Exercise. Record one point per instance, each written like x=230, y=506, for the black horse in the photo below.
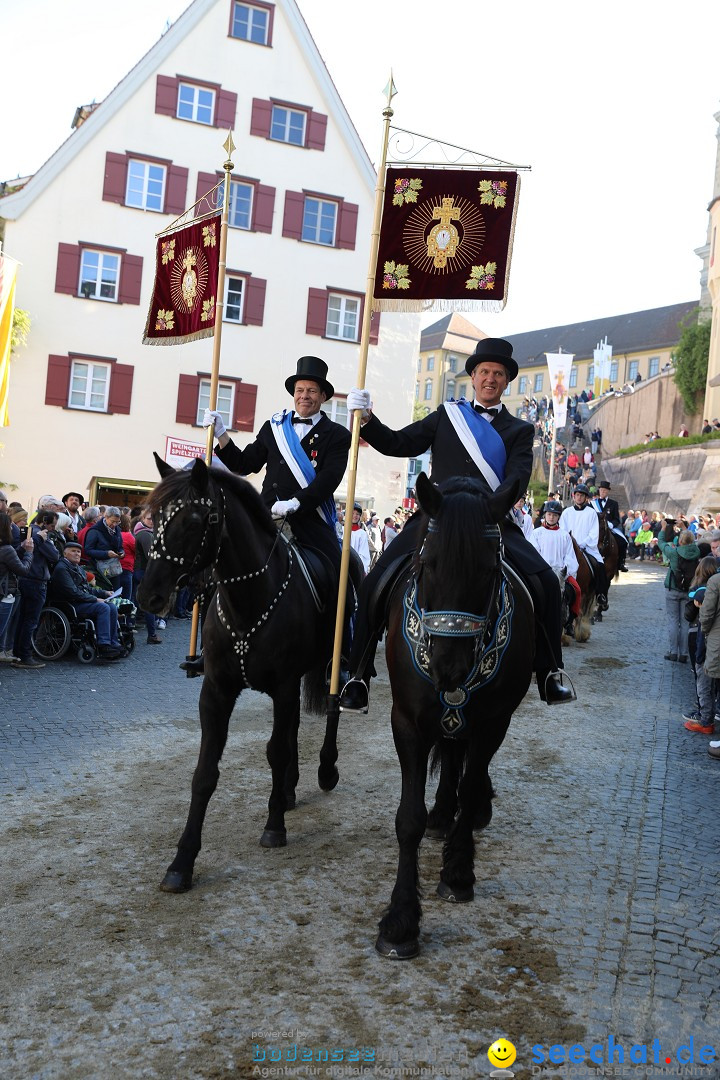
x=265, y=629
x=460, y=651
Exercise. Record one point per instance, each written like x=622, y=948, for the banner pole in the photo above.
x=228, y=166
x=357, y=415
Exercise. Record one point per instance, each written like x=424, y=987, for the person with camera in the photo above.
x=683, y=555
x=13, y=565
x=33, y=589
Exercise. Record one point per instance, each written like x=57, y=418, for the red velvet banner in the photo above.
x=186, y=278
x=445, y=239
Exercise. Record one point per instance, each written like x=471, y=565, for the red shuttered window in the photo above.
x=95, y=272
x=89, y=383
x=252, y=204
x=287, y=122
x=320, y=219
x=236, y=401
x=145, y=183
x=337, y=314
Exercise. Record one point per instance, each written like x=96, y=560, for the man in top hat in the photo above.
x=609, y=507
x=481, y=440
x=72, y=502
x=305, y=455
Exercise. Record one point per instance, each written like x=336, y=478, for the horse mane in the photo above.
x=179, y=485
x=462, y=514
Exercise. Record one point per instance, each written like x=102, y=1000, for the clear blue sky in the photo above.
x=611, y=105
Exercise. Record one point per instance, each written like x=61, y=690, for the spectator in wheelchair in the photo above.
x=69, y=583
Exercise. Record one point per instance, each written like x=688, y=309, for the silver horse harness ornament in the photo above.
x=491, y=640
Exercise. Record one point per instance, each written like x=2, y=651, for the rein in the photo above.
x=492, y=636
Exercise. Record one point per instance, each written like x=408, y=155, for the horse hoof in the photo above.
x=273, y=838
x=176, y=882
x=437, y=832
x=328, y=780
x=408, y=950
x=455, y=895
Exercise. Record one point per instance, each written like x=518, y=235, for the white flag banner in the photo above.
x=602, y=358
x=559, y=365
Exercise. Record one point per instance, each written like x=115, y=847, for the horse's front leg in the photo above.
x=216, y=706
x=281, y=750
x=400, y=925
x=457, y=876
x=441, y=817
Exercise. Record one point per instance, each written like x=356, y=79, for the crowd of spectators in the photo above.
x=93, y=557
x=369, y=537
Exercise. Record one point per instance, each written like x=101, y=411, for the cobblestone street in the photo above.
x=594, y=918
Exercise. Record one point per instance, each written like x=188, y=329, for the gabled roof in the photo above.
x=451, y=332
x=12, y=206
x=655, y=328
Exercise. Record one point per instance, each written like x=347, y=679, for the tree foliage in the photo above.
x=420, y=411
x=691, y=364
x=20, y=329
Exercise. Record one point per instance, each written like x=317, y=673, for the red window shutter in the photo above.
x=225, y=109
x=176, y=193
x=347, y=226
x=245, y=397
x=316, y=131
x=264, y=208
x=57, y=385
x=374, y=327
x=261, y=118
x=121, y=380
x=255, y=301
x=166, y=96
x=293, y=217
x=187, y=399
x=116, y=166
x=206, y=181
x=67, y=274
x=317, y=312
x=130, y=279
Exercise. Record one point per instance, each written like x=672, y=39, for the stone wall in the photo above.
x=655, y=405
x=685, y=480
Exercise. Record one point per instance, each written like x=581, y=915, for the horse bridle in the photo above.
x=462, y=623
x=215, y=518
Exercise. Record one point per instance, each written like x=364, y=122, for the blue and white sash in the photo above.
x=298, y=462
x=480, y=439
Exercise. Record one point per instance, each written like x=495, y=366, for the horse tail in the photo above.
x=314, y=690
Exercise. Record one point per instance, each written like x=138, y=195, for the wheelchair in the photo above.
x=61, y=628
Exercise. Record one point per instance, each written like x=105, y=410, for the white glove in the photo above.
x=212, y=416
x=359, y=399
x=282, y=509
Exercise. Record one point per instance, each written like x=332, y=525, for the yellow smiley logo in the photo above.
x=502, y=1054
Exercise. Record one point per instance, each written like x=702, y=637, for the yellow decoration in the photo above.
x=207, y=309
x=165, y=320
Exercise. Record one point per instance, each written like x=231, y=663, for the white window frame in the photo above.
x=89, y=376
x=428, y=390
x=522, y=384
x=507, y=391
x=231, y=282
x=463, y=390
x=105, y=262
x=613, y=371
x=143, y=198
x=235, y=186
x=590, y=375
x=538, y=383
x=348, y=321
x=653, y=366
x=452, y=364
x=192, y=108
x=633, y=370
x=431, y=363
x=255, y=25
x=225, y=401
x=336, y=410
x=286, y=129
x=573, y=375
x=449, y=389
x=312, y=234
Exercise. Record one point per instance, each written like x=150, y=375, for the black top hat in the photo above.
x=311, y=367
x=603, y=483
x=496, y=349
x=75, y=493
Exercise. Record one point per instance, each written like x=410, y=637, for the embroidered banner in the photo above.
x=602, y=360
x=445, y=240
x=186, y=277
x=559, y=366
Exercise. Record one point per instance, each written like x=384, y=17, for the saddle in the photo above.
x=380, y=597
x=320, y=574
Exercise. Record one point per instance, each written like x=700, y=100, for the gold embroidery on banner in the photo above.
x=482, y=277
x=189, y=278
x=443, y=235
x=209, y=239
x=443, y=239
x=207, y=310
x=167, y=250
x=165, y=320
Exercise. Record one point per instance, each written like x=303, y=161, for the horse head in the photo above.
x=458, y=572
x=187, y=508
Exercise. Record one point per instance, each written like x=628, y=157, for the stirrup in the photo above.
x=561, y=675
x=362, y=696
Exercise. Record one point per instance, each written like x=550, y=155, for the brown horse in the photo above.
x=580, y=626
x=608, y=548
